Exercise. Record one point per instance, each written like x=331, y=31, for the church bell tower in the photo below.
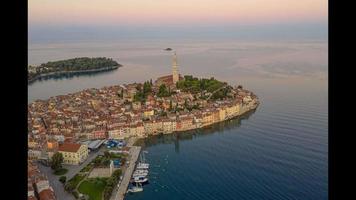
x=175, y=74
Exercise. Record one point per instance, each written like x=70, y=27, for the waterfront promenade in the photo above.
x=119, y=194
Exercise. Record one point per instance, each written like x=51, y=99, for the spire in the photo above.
x=175, y=75
x=175, y=59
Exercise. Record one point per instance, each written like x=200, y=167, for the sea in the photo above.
x=278, y=151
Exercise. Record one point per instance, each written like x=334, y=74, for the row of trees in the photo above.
x=111, y=183
x=194, y=85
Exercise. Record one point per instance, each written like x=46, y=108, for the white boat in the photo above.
x=140, y=179
x=142, y=165
x=139, y=175
x=135, y=188
x=141, y=171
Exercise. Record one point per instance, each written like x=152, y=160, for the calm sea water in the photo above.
x=278, y=151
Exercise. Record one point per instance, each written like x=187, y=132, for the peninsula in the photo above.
x=73, y=124
x=71, y=66
x=172, y=103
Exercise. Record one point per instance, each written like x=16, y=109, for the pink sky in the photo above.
x=175, y=12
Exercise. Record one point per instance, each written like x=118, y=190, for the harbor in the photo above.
x=119, y=194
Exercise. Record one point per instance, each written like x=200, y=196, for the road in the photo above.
x=57, y=186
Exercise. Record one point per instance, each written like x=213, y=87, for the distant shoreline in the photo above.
x=60, y=73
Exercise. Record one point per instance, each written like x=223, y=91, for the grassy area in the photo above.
x=61, y=171
x=75, y=180
x=93, y=188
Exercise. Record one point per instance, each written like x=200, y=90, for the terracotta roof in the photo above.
x=31, y=198
x=47, y=194
x=69, y=147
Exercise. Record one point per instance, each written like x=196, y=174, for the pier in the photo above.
x=119, y=194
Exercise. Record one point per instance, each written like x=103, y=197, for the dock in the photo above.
x=121, y=191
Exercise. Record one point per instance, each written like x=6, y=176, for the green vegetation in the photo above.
x=163, y=91
x=87, y=168
x=56, y=161
x=104, y=161
x=93, y=187
x=63, y=179
x=73, y=182
x=74, y=64
x=75, y=194
x=143, y=92
x=195, y=85
x=111, y=183
x=60, y=171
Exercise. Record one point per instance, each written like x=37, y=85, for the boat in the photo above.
x=141, y=171
x=139, y=175
x=137, y=188
x=140, y=179
x=141, y=165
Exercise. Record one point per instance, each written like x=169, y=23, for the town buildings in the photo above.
x=60, y=123
x=38, y=187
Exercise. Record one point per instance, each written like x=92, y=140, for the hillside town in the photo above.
x=172, y=103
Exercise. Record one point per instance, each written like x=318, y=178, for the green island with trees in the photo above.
x=200, y=88
x=193, y=85
x=74, y=65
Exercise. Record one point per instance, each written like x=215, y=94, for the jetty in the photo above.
x=134, y=154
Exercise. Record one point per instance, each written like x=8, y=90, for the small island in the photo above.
x=71, y=66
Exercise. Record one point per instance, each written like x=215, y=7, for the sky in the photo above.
x=176, y=18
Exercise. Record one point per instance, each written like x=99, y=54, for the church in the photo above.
x=170, y=80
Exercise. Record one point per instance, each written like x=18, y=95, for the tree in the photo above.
x=185, y=103
x=170, y=105
x=69, y=186
x=146, y=88
x=56, y=161
x=117, y=173
x=62, y=179
x=162, y=92
x=107, y=154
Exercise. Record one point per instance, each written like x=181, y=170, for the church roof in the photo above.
x=168, y=80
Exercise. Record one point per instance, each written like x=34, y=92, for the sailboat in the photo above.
x=142, y=164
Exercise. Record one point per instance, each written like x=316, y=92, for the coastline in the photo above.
x=59, y=73
x=244, y=109
x=137, y=144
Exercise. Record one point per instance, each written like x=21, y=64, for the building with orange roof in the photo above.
x=73, y=153
x=47, y=194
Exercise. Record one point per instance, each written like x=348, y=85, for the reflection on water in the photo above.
x=279, y=153
x=174, y=138
x=69, y=76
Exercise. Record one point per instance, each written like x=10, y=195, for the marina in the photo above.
x=120, y=194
